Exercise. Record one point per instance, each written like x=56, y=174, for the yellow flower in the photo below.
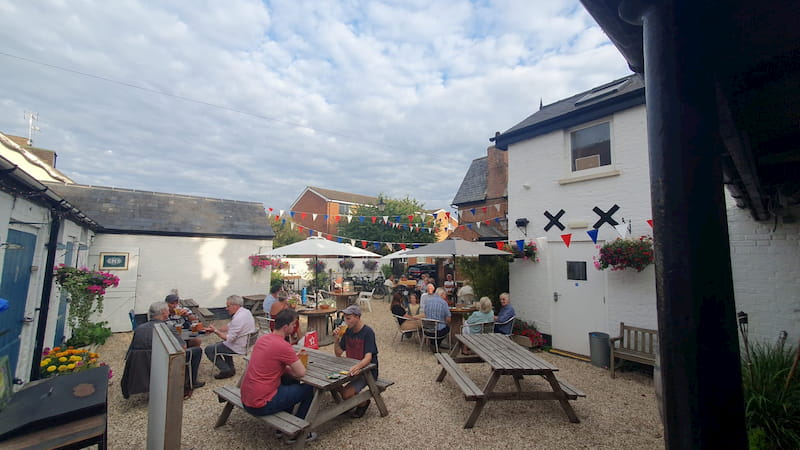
x=62, y=359
x=44, y=362
x=75, y=358
x=71, y=366
x=62, y=368
x=51, y=369
x=93, y=360
x=93, y=355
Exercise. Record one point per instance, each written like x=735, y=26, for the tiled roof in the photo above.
x=144, y=212
x=47, y=156
x=345, y=197
x=473, y=186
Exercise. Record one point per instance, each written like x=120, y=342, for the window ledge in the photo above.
x=594, y=176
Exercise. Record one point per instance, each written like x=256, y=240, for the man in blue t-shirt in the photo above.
x=503, y=318
x=358, y=342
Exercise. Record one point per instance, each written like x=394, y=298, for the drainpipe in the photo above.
x=47, y=289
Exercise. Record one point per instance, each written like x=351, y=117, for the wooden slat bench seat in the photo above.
x=464, y=382
x=572, y=392
x=283, y=421
x=633, y=344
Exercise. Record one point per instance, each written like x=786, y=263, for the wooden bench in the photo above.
x=572, y=392
x=287, y=423
x=634, y=344
x=470, y=389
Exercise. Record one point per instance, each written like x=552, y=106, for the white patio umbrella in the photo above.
x=317, y=246
x=400, y=254
x=453, y=247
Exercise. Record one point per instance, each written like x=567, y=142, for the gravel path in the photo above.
x=619, y=413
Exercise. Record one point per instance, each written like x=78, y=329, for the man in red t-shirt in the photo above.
x=271, y=382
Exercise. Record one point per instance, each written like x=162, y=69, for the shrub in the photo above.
x=488, y=276
x=772, y=404
x=88, y=334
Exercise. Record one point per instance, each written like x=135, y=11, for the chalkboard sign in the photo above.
x=113, y=261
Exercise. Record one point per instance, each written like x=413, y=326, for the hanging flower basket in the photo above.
x=622, y=254
x=86, y=289
x=370, y=264
x=318, y=267
x=347, y=264
x=260, y=262
x=528, y=252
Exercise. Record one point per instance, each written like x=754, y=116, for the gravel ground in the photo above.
x=619, y=413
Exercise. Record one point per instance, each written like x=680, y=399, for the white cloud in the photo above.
x=367, y=97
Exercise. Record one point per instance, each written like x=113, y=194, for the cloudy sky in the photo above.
x=254, y=100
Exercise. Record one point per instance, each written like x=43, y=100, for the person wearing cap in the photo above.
x=181, y=316
x=270, y=383
x=234, y=337
x=358, y=342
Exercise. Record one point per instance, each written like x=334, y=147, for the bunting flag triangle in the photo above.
x=622, y=230
x=483, y=209
x=326, y=218
x=402, y=246
x=397, y=218
x=567, y=238
x=435, y=216
x=280, y=213
x=472, y=210
x=339, y=240
x=300, y=228
x=478, y=224
x=410, y=218
x=496, y=220
x=349, y=218
x=521, y=244
x=447, y=214
x=373, y=219
x=385, y=219
x=650, y=222
x=330, y=237
x=314, y=216
x=497, y=207
x=337, y=218
x=416, y=245
x=363, y=244
x=303, y=216
x=500, y=245
x=377, y=245
x=283, y=221
x=361, y=219
x=353, y=242
x=277, y=218
x=389, y=244
x=291, y=213
x=469, y=225
x=291, y=224
x=593, y=234
x=488, y=222
x=310, y=233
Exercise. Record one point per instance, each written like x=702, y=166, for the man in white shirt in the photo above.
x=234, y=336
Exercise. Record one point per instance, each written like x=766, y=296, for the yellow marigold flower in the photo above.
x=62, y=368
x=75, y=358
x=71, y=366
x=62, y=359
x=44, y=362
x=51, y=369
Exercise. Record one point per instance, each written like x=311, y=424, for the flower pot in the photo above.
x=522, y=340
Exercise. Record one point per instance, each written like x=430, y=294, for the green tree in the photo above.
x=381, y=232
x=488, y=276
x=284, y=234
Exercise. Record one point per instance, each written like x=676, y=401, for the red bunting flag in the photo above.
x=650, y=222
x=410, y=218
x=499, y=244
x=299, y=228
x=446, y=214
x=330, y=237
x=270, y=209
x=567, y=238
x=373, y=219
x=337, y=218
x=277, y=218
x=402, y=246
x=363, y=244
x=484, y=209
x=303, y=215
x=487, y=222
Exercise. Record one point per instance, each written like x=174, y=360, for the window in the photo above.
x=576, y=270
x=344, y=209
x=591, y=147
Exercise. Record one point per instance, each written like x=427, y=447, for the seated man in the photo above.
x=429, y=294
x=182, y=316
x=274, y=291
x=436, y=308
x=135, y=380
x=506, y=313
x=358, y=342
x=234, y=337
x=270, y=383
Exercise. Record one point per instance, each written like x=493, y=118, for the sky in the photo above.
x=255, y=100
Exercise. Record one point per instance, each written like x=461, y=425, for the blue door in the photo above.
x=62, y=303
x=14, y=288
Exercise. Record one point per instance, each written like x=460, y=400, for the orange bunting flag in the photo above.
x=567, y=238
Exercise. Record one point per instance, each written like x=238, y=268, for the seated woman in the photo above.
x=484, y=314
x=408, y=321
x=294, y=332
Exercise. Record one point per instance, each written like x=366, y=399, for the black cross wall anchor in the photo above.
x=554, y=220
x=605, y=217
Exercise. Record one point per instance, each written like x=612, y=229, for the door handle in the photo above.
x=555, y=296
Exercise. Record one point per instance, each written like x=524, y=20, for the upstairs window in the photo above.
x=591, y=147
x=344, y=209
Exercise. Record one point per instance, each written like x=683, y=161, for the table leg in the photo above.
x=313, y=409
x=562, y=397
x=376, y=394
x=517, y=379
x=480, y=403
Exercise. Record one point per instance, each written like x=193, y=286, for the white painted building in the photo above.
x=590, y=151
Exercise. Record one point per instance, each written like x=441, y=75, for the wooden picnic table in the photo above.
x=320, y=365
x=457, y=317
x=342, y=298
x=255, y=303
x=505, y=357
x=317, y=319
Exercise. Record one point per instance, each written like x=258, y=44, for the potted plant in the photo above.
x=528, y=251
x=261, y=262
x=526, y=335
x=347, y=265
x=66, y=361
x=86, y=289
x=622, y=254
x=370, y=265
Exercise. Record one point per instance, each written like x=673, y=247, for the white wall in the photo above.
x=544, y=161
x=765, y=259
x=205, y=269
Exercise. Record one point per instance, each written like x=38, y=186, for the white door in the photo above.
x=579, y=304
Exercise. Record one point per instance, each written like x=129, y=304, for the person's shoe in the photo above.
x=187, y=394
x=198, y=384
x=309, y=437
x=360, y=411
x=278, y=434
x=225, y=374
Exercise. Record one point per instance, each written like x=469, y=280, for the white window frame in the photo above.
x=595, y=172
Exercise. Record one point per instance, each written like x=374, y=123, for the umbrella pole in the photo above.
x=316, y=279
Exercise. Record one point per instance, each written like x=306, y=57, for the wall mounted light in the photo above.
x=522, y=224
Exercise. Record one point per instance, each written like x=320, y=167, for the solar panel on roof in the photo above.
x=602, y=92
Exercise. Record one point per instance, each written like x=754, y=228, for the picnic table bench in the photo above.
x=288, y=424
x=505, y=358
x=633, y=344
